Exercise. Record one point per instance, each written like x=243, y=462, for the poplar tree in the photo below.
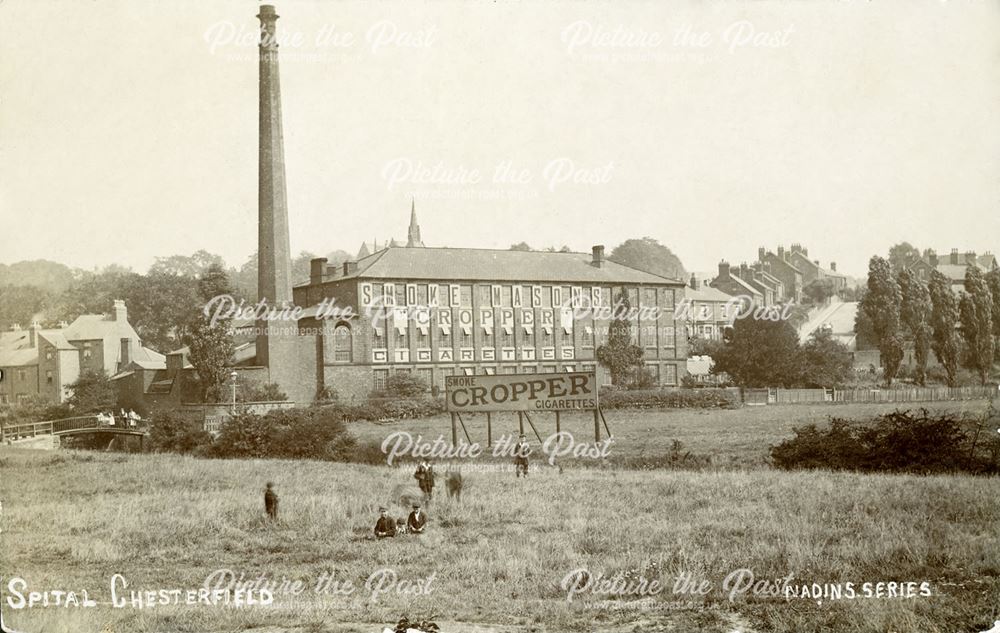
x=915, y=313
x=619, y=355
x=881, y=304
x=944, y=316
x=993, y=282
x=976, y=314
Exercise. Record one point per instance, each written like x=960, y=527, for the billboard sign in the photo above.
x=570, y=391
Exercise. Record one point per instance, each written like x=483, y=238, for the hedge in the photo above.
x=670, y=399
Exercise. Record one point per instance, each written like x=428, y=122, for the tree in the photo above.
x=619, y=355
x=944, y=315
x=520, y=246
x=902, y=255
x=993, y=282
x=211, y=352
x=649, y=255
x=864, y=335
x=819, y=290
x=975, y=313
x=214, y=282
x=881, y=305
x=825, y=361
x=760, y=353
x=187, y=266
x=915, y=313
x=92, y=392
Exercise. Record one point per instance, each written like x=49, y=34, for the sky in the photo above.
x=128, y=129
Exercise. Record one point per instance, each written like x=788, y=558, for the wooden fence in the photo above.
x=895, y=394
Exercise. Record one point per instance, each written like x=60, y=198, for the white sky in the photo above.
x=129, y=129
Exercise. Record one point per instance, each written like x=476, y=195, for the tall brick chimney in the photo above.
x=121, y=312
x=274, y=269
x=274, y=275
x=724, y=269
x=953, y=258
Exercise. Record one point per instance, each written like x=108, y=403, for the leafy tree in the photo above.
x=993, y=282
x=944, y=315
x=185, y=266
x=649, y=255
x=211, y=353
x=760, y=353
x=881, y=305
x=819, y=290
x=975, y=313
x=619, y=355
x=863, y=332
x=213, y=283
x=402, y=385
x=268, y=392
x=520, y=246
x=825, y=361
x=20, y=304
x=92, y=392
x=915, y=313
x=902, y=255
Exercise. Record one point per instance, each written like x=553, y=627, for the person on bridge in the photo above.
x=271, y=502
x=385, y=527
x=133, y=417
x=416, y=521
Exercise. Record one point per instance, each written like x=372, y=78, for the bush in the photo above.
x=670, y=399
x=404, y=385
x=378, y=409
x=898, y=442
x=284, y=433
x=170, y=433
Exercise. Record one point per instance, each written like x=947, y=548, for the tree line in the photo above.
x=898, y=310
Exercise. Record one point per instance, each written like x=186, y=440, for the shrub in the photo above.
x=284, y=433
x=898, y=442
x=170, y=433
x=670, y=399
x=404, y=385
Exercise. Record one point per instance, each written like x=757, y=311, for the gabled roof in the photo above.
x=471, y=264
x=97, y=326
x=742, y=284
x=16, y=349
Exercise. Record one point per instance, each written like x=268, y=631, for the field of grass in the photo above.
x=71, y=519
x=731, y=438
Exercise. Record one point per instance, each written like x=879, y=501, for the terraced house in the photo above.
x=439, y=312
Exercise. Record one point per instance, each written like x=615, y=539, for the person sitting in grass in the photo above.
x=385, y=526
x=417, y=520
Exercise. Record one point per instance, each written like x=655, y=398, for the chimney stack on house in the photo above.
x=932, y=258
x=724, y=269
x=781, y=253
x=350, y=268
x=597, y=259
x=694, y=282
x=317, y=270
x=761, y=254
x=970, y=258
x=33, y=333
x=833, y=266
x=953, y=260
x=121, y=312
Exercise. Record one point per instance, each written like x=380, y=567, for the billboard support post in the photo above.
x=489, y=429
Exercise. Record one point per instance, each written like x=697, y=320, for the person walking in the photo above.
x=425, y=479
x=521, y=456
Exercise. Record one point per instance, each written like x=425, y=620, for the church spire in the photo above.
x=413, y=234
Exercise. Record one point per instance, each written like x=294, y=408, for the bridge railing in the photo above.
x=48, y=427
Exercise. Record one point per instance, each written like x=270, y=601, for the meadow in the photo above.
x=497, y=560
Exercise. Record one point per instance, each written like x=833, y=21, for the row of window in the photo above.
x=667, y=377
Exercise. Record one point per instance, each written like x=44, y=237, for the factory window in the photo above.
x=465, y=337
x=485, y=296
x=422, y=294
x=587, y=338
x=342, y=344
x=510, y=369
x=401, y=339
x=668, y=299
x=427, y=376
x=648, y=297
x=400, y=290
x=670, y=375
x=506, y=336
x=654, y=371
x=548, y=369
x=380, y=377
x=530, y=369
x=378, y=338
x=423, y=338
x=466, y=296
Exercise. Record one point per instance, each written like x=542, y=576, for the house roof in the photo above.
x=744, y=285
x=16, y=349
x=472, y=264
x=95, y=326
x=707, y=293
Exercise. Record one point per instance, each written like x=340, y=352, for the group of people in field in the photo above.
x=387, y=526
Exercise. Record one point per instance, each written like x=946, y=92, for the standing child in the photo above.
x=271, y=502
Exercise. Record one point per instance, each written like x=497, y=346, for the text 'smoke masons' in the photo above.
x=571, y=391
